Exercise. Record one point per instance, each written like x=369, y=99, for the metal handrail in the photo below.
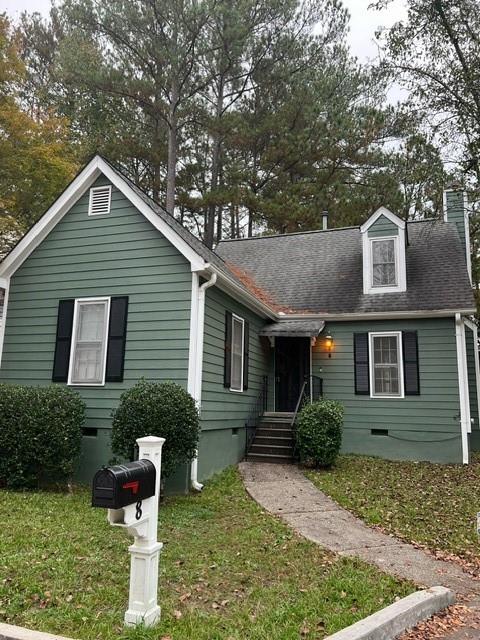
x=258, y=409
x=299, y=402
x=312, y=394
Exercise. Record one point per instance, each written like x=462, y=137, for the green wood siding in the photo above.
x=383, y=227
x=115, y=254
x=225, y=412
x=472, y=389
x=420, y=427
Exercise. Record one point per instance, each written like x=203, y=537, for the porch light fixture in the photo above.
x=329, y=345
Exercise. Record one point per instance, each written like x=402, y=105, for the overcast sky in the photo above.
x=363, y=22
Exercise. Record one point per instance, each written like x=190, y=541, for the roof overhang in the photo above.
x=293, y=329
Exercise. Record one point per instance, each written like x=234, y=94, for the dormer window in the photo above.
x=383, y=243
x=384, y=262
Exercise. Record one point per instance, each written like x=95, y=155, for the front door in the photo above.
x=292, y=364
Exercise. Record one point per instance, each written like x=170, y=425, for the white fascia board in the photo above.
x=3, y=283
x=72, y=193
x=382, y=211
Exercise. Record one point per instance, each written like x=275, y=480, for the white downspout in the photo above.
x=462, y=386
x=197, y=383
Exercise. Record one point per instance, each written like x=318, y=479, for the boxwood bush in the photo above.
x=319, y=433
x=40, y=434
x=162, y=409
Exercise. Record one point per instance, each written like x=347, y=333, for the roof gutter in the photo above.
x=377, y=315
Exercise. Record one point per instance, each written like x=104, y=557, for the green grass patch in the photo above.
x=430, y=504
x=228, y=570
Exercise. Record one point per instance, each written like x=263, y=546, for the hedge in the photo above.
x=319, y=433
x=162, y=409
x=40, y=434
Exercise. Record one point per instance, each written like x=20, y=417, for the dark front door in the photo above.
x=292, y=364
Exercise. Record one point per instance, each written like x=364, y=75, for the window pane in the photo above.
x=89, y=347
x=91, y=318
x=386, y=369
x=87, y=365
x=383, y=263
x=237, y=355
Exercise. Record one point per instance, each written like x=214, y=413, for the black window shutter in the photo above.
x=360, y=353
x=117, y=335
x=246, y=345
x=410, y=363
x=63, y=341
x=227, y=367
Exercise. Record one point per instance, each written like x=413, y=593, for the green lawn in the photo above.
x=228, y=571
x=431, y=504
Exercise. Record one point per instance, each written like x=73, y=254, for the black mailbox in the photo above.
x=124, y=484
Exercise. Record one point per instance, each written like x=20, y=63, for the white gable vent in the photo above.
x=100, y=198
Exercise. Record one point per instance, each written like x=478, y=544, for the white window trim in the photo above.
x=242, y=321
x=381, y=334
x=78, y=302
x=400, y=267
x=90, y=199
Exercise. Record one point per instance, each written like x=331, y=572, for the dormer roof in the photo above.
x=382, y=211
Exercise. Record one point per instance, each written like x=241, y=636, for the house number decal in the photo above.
x=138, y=512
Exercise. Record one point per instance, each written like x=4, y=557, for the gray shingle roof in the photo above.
x=321, y=271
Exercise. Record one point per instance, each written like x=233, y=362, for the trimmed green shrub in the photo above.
x=162, y=409
x=319, y=433
x=40, y=434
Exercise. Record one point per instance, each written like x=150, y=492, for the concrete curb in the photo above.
x=398, y=617
x=10, y=632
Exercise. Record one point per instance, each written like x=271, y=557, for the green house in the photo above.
x=107, y=288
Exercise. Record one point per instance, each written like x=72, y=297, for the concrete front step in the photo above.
x=271, y=449
x=267, y=438
x=285, y=415
x=275, y=425
x=266, y=457
x=274, y=433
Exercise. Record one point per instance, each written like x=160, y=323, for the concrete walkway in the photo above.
x=284, y=491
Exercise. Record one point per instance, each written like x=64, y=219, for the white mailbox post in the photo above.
x=140, y=519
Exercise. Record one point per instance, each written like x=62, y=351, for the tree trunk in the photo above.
x=172, y=149
x=156, y=166
x=216, y=153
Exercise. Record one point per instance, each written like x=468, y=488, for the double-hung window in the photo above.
x=89, y=341
x=384, y=262
x=237, y=351
x=386, y=366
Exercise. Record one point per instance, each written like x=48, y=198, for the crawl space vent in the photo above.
x=100, y=198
